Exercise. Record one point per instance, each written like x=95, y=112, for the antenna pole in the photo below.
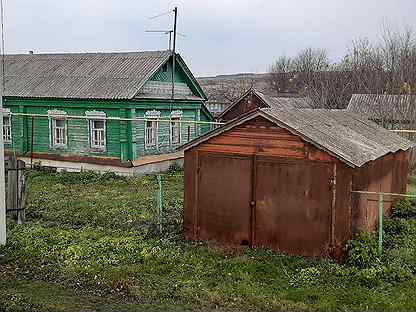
x=175, y=11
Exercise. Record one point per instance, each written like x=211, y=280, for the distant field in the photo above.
x=91, y=243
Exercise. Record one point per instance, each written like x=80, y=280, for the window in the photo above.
x=97, y=133
x=151, y=128
x=175, y=130
x=165, y=67
x=97, y=129
x=57, y=128
x=59, y=132
x=151, y=133
x=175, y=127
x=7, y=126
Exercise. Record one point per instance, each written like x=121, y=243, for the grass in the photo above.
x=91, y=243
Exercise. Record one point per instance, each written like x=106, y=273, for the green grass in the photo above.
x=91, y=244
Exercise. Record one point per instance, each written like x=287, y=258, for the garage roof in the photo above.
x=343, y=134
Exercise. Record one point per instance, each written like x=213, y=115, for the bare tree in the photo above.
x=283, y=64
x=384, y=67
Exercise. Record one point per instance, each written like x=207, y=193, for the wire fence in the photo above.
x=99, y=135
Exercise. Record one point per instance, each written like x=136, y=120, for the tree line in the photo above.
x=387, y=66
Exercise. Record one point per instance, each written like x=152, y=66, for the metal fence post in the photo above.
x=380, y=222
x=160, y=202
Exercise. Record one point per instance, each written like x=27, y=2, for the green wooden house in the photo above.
x=100, y=107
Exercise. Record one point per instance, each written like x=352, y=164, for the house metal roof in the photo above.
x=384, y=106
x=345, y=135
x=81, y=75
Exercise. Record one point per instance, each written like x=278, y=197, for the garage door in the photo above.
x=224, y=196
x=293, y=207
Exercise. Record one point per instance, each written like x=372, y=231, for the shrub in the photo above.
x=306, y=277
x=404, y=209
x=397, y=227
x=371, y=277
x=362, y=252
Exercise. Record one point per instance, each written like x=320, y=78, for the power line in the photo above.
x=161, y=14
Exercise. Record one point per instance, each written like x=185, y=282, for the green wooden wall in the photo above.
x=125, y=139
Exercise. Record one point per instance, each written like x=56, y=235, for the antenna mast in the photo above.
x=172, y=49
x=175, y=17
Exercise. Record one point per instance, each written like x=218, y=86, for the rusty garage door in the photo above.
x=224, y=196
x=293, y=206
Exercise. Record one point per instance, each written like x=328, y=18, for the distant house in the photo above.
x=390, y=111
x=254, y=99
x=84, y=98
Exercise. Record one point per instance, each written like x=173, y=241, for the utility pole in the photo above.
x=2, y=175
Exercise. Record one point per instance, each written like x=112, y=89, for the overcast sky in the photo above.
x=222, y=36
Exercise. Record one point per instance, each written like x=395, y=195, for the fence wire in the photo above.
x=31, y=133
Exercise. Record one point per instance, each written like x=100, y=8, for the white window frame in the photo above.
x=152, y=117
x=55, y=115
x=176, y=117
x=98, y=144
x=7, y=128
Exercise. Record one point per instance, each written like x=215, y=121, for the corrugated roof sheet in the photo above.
x=80, y=75
x=345, y=135
x=384, y=106
x=285, y=102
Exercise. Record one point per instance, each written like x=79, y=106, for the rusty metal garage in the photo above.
x=282, y=179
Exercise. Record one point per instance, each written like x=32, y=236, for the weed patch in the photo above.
x=90, y=244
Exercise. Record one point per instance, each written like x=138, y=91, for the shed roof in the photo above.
x=343, y=134
x=384, y=106
x=82, y=75
x=273, y=102
x=284, y=102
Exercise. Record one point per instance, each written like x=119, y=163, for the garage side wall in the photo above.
x=190, y=193
x=387, y=174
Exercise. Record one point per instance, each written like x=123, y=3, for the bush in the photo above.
x=362, y=252
x=397, y=227
x=404, y=209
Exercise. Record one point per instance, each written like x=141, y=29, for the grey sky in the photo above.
x=223, y=36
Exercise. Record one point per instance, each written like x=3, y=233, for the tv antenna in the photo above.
x=167, y=32
x=172, y=47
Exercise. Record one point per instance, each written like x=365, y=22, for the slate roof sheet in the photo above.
x=384, y=106
x=80, y=75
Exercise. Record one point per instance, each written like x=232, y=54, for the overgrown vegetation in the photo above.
x=91, y=243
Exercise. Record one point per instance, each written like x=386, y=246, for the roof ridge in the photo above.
x=87, y=53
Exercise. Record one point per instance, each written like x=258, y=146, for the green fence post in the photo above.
x=380, y=222
x=160, y=202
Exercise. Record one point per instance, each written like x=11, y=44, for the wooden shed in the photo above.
x=253, y=99
x=283, y=179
